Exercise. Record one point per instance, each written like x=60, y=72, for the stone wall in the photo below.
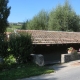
x=41, y=61
x=38, y=59
x=69, y=57
x=45, y=59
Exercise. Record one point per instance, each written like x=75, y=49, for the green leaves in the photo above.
x=63, y=18
x=3, y=47
x=21, y=46
x=4, y=13
x=39, y=21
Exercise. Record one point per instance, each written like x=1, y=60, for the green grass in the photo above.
x=11, y=29
x=23, y=71
x=16, y=26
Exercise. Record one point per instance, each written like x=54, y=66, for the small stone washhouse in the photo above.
x=51, y=44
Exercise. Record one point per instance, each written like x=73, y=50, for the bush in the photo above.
x=3, y=46
x=20, y=46
x=10, y=60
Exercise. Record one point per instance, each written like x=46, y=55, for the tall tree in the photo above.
x=24, y=25
x=40, y=21
x=4, y=13
x=63, y=18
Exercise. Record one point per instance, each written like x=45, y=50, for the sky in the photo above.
x=22, y=10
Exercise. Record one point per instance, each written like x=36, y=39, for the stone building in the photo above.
x=51, y=44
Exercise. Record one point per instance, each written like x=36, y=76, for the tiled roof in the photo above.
x=53, y=37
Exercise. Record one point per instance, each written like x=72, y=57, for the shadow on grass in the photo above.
x=23, y=71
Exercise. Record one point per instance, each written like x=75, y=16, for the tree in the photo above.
x=63, y=18
x=40, y=21
x=4, y=13
x=23, y=26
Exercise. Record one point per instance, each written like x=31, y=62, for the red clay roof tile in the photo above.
x=53, y=37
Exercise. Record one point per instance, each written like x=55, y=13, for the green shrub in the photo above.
x=3, y=66
x=20, y=46
x=3, y=46
x=10, y=59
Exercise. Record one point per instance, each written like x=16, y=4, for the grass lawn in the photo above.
x=16, y=26
x=23, y=71
x=9, y=30
x=12, y=28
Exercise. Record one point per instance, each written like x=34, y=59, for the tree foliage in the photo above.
x=24, y=25
x=63, y=18
x=20, y=45
x=40, y=21
x=3, y=46
x=4, y=13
